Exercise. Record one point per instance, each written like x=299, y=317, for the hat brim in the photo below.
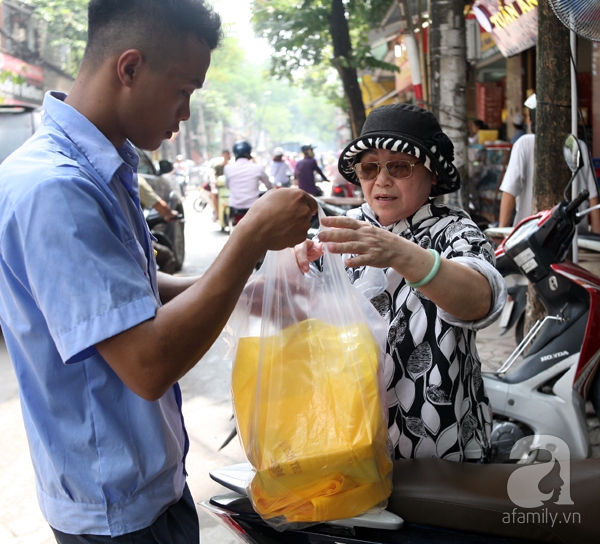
x=448, y=176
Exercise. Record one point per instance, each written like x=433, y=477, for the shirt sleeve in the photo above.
x=512, y=182
x=71, y=246
x=464, y=243
x=147, y=195
x=265, y=178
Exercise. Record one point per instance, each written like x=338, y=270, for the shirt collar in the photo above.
x=97, y=149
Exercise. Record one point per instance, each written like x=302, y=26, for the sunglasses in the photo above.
x=396, y=169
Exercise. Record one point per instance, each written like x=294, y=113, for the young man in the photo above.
x=98, y=338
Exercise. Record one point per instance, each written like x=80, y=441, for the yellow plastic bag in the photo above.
x=307, y=394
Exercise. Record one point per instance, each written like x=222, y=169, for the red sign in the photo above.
x=21, y=83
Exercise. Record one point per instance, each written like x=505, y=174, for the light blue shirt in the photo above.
x=77, y=267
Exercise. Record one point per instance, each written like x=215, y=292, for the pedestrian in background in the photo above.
x=517, y=184
x=474, y=127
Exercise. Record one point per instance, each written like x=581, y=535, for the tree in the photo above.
x=311, y=36
x=67, y=26
x=449, y=81
x=241, y=100
x=552, y=122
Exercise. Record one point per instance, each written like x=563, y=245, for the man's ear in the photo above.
x=128, y=65
x=434, y=179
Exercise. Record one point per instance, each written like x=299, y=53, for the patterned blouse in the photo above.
x=437, y=403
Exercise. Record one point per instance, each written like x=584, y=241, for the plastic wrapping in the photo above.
x=308, y=395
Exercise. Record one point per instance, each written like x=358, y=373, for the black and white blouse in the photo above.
x=437, y=403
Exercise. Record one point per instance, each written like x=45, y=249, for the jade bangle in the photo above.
x=432, y=272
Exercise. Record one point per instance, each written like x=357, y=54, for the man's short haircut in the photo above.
x=155, y=27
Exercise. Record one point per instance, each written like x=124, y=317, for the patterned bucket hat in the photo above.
x=409, y=129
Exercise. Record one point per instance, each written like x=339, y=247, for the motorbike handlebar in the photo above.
x=572, y=206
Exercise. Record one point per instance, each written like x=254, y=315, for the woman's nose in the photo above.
x=383, y=176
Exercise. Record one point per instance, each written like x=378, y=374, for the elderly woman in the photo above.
x=442, y=284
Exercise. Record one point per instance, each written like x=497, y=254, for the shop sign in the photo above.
x=21, y=83
x=512, y=24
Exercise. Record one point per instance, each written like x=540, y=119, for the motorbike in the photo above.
x=203, y=199
x=170, y=238
x=432, y=501
x=541, y=393
x=182, y=180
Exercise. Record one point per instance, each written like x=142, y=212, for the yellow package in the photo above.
x=311, y=421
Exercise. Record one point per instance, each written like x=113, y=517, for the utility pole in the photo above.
x=552, y=122
x=449, y=80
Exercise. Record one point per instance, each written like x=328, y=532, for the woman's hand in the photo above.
x=457, y=289
x=306, y=252
x=372, y=246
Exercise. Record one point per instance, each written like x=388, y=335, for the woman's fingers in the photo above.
x=306, y=252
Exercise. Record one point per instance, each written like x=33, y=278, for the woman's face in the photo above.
x=395, y=199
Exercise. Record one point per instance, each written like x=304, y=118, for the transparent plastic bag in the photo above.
x=308, y=394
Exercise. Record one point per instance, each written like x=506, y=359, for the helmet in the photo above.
x=306, y=147
x=242, y=149
x=278, y=152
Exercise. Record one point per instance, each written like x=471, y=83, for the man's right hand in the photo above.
x=281, y=218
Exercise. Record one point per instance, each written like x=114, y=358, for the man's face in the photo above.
x=160, y=99
x=226, y=156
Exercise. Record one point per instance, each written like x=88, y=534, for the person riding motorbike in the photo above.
x=305, y=172
x=243, y=179
x=279, y=169
x=165, y=258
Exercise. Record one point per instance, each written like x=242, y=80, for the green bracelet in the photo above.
x=432, y=272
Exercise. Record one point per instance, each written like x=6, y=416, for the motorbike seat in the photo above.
x=474, y=497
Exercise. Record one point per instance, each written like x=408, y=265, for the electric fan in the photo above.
x=579, y=16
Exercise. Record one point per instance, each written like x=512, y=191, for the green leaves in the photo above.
x=67, y=26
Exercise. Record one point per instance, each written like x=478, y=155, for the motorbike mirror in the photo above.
x=572, y=153
x=164, y=167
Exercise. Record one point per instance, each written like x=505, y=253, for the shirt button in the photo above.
x=116, y=508
x=118, y=527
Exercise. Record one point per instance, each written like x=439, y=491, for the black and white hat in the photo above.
x=408, y=129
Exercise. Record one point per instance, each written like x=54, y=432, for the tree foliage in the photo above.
x=312, y=38
x=239, y=95
x=67, y=26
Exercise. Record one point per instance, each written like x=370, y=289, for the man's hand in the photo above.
x=168, y=213
x=279, y=219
